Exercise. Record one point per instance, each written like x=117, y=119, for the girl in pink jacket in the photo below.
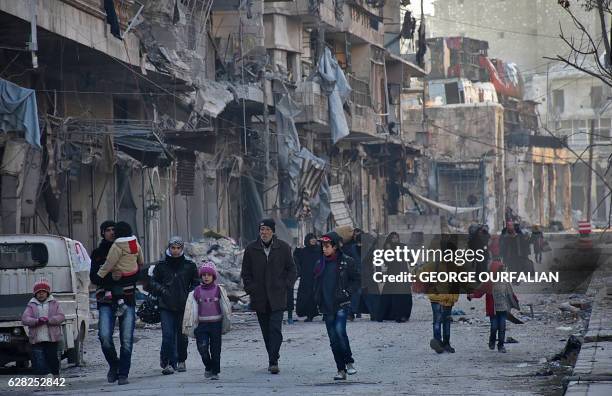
x=43, y=316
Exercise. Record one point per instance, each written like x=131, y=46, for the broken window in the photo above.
x=558, y=101
x=452, y=93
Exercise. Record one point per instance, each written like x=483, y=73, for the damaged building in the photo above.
x=486, y=153
x=184, y=115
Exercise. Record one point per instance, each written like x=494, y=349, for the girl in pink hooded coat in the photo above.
x=44, y=317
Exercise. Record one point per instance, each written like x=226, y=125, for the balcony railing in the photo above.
x=125, y=9
x=313, y=103
x=360, y=93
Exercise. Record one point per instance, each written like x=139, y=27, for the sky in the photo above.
x=415, y=6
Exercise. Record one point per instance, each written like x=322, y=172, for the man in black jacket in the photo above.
x=267, y=272
x=173, y=279
x=336, y=279
x=119, y=368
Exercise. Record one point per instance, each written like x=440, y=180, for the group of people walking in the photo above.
x=329, y=269
x=269, y=273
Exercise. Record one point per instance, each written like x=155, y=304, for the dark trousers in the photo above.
x=441, y=322
x=338, y=339
x=271, y=324
x=498, y=328
x=174, y=342
x=106, y=326
x=208, y=341
x=356, y=302
x=45, y=359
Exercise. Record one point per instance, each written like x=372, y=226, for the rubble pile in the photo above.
x=227, y=256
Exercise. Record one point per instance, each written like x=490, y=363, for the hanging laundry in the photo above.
x=18, y=111
x=422, y=45
x=408, y=26
x=111, y=18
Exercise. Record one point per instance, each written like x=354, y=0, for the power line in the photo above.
x=493, y=28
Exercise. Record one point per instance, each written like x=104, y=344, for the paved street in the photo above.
x=392, y=358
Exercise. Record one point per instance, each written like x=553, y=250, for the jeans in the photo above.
x=271, y=324
x=338, y=339
x=106, y=325
x=498, y=328
x=45, y=359
x=441, y=322
x=208, y=341
x=174, y=342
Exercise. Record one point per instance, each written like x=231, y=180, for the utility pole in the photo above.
x=590, y=171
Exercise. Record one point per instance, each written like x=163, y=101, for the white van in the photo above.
x=65, y=263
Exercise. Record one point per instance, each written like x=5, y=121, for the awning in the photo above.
x=148, y=152
x=414, y=70
x=444, y=207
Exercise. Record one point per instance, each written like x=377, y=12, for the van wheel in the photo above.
x=22, y=364
x=75, y=355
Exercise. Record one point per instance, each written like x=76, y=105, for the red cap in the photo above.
x=42, y=284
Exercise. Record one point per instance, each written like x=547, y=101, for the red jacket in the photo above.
x=486, y=288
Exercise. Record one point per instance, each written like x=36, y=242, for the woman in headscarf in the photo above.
x=306, y=259
x=396, y=299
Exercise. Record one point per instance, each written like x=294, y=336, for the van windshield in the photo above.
x=23, y=255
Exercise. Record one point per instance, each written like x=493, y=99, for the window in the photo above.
x=602, y=132
x=558, y=101
x=23, y=255
x=597, y=98
x=579, y=135
x=452, y=93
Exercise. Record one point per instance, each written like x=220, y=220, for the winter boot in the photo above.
x=436, y=345
x=111, y=376
x=181, y=367
x=214, y=377
x=273, y=369
x=168, y=370
x=123, y=381
x=341, y=376
x=492, y=340
x=208, y=373
x=350, y=369
x=448, y=348
x=500, y=341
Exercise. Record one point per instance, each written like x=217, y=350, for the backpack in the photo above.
x=148, y=311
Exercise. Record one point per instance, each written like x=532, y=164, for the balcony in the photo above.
x=306, y=10
x=314, y=105
x=125, y=9
x=363, y=24
x=362, y=120
x=81, y=21
x=363, y=117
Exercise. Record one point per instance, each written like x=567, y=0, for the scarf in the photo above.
x=323, y=263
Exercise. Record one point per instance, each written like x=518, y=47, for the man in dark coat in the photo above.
x=173, y=279
x=336, y=279
x=267, y=272
x=119, y=367
x=306, y=259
